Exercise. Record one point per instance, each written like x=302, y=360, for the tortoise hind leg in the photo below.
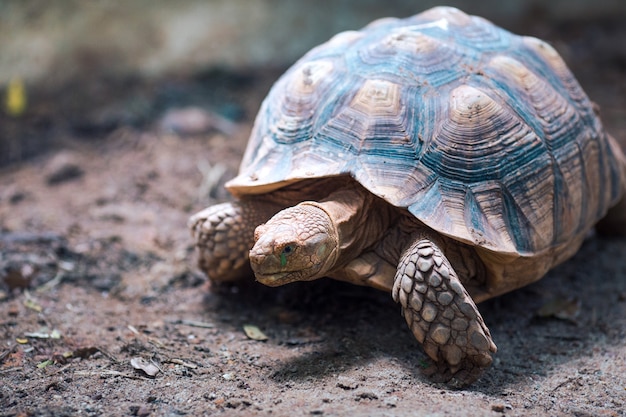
x=224, y=235
x=614, y=223
x=441, y=314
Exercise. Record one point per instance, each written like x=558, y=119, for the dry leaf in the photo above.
x=15, y=97
x=183, y=363
x=253, y=332
x=45, y=363
x=561, y=308
x=194, y=323
x=148, y=367
x=32, y=304
x=44, y=334
x=85, y=352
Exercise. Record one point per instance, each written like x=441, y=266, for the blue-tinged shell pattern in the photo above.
x=482, y=135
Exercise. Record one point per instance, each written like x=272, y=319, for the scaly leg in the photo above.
x=614, y=223
x=224, y=234
x=441, y=314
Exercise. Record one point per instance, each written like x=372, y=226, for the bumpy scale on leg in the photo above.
x=442, y=315
x=224, y=234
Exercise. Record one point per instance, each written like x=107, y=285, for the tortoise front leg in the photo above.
x=224, y=235
x=441, y=314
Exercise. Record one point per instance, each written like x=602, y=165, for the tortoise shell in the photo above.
x=483, y=135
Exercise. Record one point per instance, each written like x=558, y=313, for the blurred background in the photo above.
x=85, y=68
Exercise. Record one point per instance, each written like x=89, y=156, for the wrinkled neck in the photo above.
x=359, y=218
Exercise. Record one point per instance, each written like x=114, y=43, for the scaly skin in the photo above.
x=224, y=234
x=297, y=244
x=441, y=314
x=320, y=237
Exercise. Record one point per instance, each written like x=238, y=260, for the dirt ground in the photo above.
x=98, y=277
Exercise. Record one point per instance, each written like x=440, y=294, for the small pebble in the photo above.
x=143, y=411
x=195, y=121
x=501, y=408
x=63, y=168
x=347, y=383
x=367, y=395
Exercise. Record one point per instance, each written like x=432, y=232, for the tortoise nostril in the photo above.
x=256, y=257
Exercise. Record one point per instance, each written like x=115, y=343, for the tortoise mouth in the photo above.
x=277, y=278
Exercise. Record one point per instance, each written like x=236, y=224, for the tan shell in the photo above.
x=484, y=136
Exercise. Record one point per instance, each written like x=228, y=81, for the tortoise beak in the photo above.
x=267, y=270
x=265, y=264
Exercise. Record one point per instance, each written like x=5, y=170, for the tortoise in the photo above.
x=438, y=157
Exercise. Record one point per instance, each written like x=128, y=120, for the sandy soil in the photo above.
x=97, y=273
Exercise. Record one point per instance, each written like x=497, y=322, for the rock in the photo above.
x=195, y=121
x=62, y=168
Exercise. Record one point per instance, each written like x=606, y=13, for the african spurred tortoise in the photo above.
x=439, y=158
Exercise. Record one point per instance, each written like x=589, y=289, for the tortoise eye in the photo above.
x=287, y=250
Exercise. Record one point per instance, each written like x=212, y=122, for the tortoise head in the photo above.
x=299, y=243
